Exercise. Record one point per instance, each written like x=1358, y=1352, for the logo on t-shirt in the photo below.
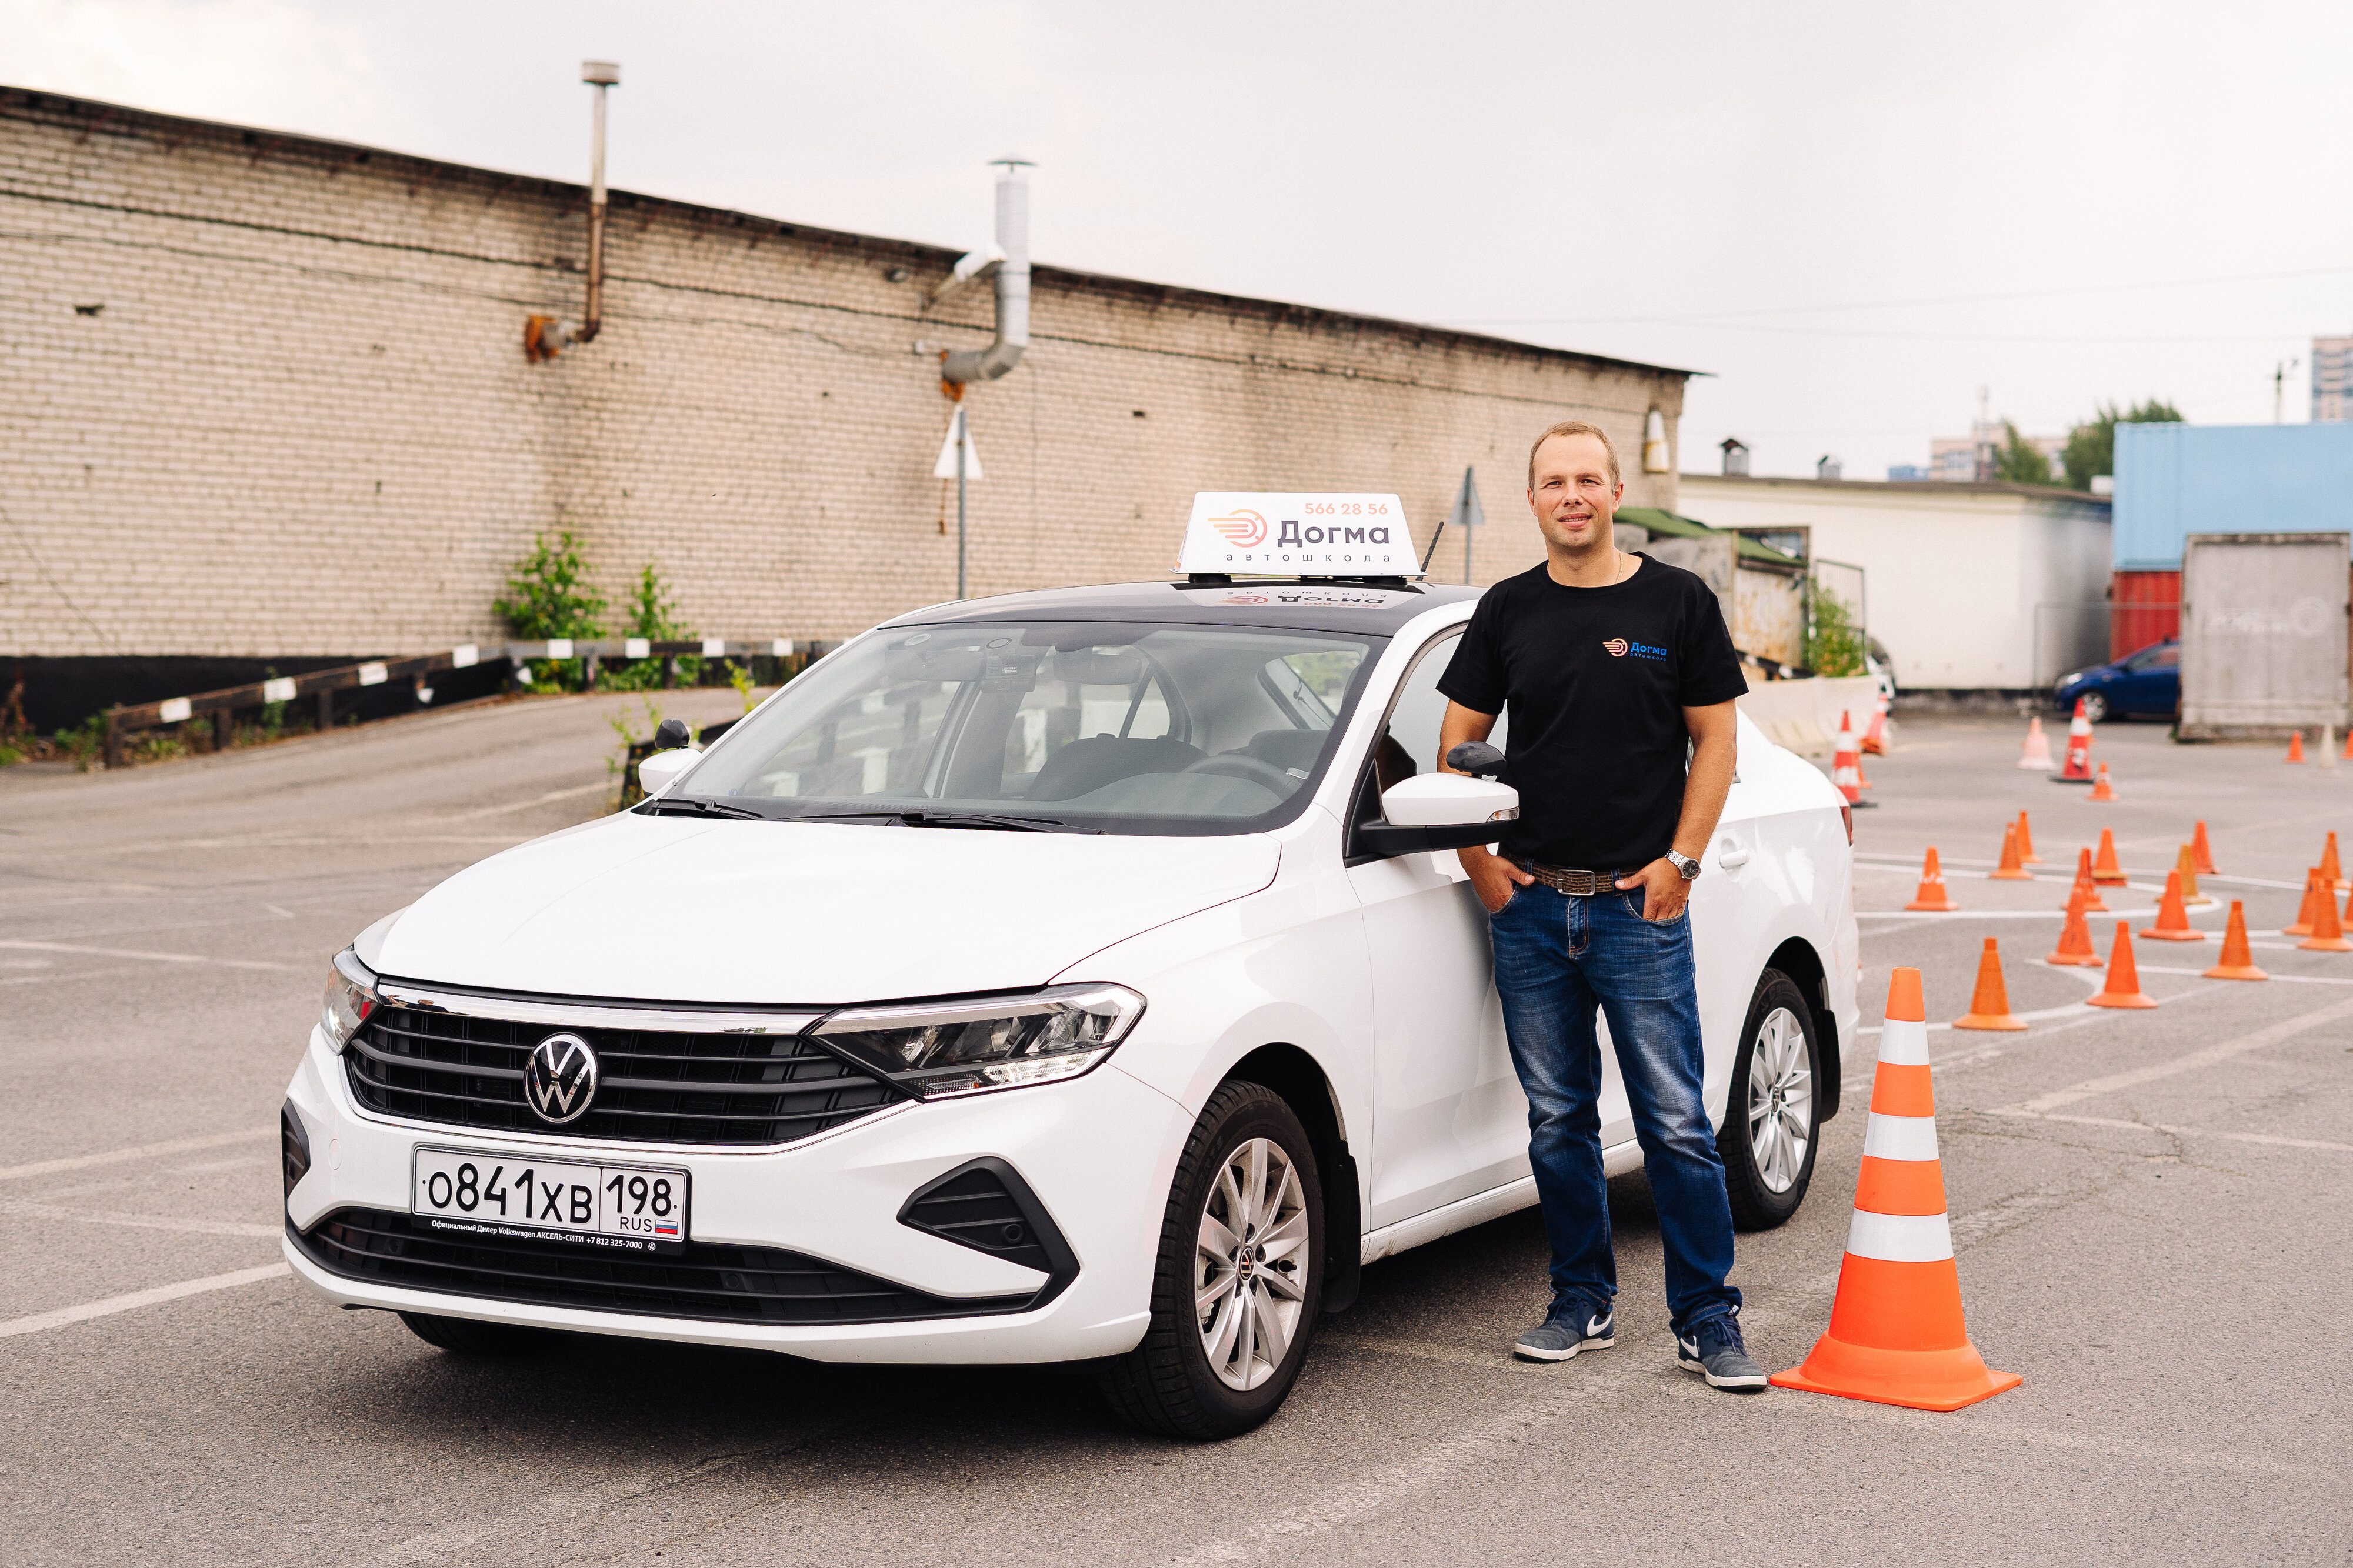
x=1644, y=650
x=1617, y=646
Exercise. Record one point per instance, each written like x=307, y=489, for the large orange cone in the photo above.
x=2107, y=869
x=1989, y=1007
x=1846, y=767
x=2101, y=788
x=2327, y=931
x=1896, y=1335
x=2296, y=746
x=2347, y=754
x=1932, y=895
x=2332, y=873
x=2186, y=863
x=2123, y=989
x=2088, y=888
x=2172, y=920
x=2236, y=962
x=2078, y=767
x=2026, y=842
x=2010, y=870
x=2303, y=924
x=2034, y=756
x=2203, y=852
x=2075, y=938
x=1861, y=779
x=1875, y=739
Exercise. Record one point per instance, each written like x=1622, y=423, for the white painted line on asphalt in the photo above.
x=282, y=914
x=2292, y=979
x=137, y=1221
x=2270, y=1138
x=2191, y=1062
x=64, y=976
x=137, y=1151
x=138, y=1299
x=552, y=796
x=135, y=952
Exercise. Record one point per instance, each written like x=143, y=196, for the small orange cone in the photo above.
x=1846, y=764
x=2088, y=888
x=2026, y=842
x=2078, y=768
x=2101, y=788
x=1861, y=779
x=2010, y=870
x=2236, y=962
x=2332, y=873
x=1875, y=739
x=1990, y=1008
x=2347, y=755
x=2186, y=863
x=2202, y=852
x=1896, y=1335
x=1932, y=895
x=2075, y=938
x=2296, y=746
x=2327, y=931
x=2172, y=920
x=2302, y=924
x=2123, y=989
x=2034, y=756
x=2107, y=869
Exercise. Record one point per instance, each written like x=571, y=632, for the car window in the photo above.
x=1123, y=728
x=1410, y=745
x=2164, y=658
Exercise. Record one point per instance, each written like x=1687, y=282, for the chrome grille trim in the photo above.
x=599, y=1014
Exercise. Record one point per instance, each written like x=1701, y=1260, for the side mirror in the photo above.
x=1438, y=811
x=1477, y=758
x=672, y=734
x=660, y=771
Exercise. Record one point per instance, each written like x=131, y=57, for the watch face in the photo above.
x=1689, y=869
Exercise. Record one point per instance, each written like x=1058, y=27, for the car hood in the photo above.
x=676, y=909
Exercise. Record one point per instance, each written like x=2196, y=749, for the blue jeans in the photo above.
x=1556, y=958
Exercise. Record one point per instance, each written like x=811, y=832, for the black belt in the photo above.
x=1576, y=884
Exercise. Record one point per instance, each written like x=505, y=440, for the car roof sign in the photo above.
x=1297, y=534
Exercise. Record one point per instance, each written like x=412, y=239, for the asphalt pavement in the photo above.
x=2148, y=1209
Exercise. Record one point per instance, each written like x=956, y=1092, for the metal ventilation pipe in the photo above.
x=1012, y=284
x=603, y=75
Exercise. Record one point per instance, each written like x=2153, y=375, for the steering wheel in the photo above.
x=1242, y=766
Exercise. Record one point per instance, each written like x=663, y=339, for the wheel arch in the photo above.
x=1303, y=1085
x=1796, y=959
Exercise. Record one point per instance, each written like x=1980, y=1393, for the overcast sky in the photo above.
x=1854, y=216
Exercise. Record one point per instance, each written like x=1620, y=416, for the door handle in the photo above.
x=1731, y=853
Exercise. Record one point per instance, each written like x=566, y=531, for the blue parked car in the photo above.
x=2146, y=682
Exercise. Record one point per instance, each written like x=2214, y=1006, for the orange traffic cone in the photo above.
x=2078, y=768
x=2186, y=863
x=2089, y=889
x=2203, y=852
x=2332, y=873
x=2075, y=938
x=2236, y=962
x=1896, y=1336
x=1932, y=895
x=2347, y=754
x=2107, y=869
x=2172, y=920
x=2010, y=870
x=2327, y=931
x=1861, y=779
x=2296, y=746
x=2034, y=756
x=2123, y=989
x=2101, y=788
x=1989, y=1007
x=1875, y=739
x=1846, y=766
x=2303, y=924
x=2026, y=842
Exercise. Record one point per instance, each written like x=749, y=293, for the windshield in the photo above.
x=1124, y=728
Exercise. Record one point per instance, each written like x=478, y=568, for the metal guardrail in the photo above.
x=321, y=685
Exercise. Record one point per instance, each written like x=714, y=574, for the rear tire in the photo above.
x=2096, y=707
x=1221, y=1294
x=466, y=1337
x=1771, y=1130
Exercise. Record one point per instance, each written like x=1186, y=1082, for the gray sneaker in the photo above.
x=1573, y=1327
x=1715, y=1350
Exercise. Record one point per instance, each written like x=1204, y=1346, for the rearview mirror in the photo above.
x=660, y=771
x=1438, y=811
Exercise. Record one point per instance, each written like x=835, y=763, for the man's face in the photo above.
x=1571, y=493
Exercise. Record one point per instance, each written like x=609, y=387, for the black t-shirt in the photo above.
x=1595, y=681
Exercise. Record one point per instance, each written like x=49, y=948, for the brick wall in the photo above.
x=299, y=420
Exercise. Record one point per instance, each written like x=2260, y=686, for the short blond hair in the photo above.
x=1575, y=427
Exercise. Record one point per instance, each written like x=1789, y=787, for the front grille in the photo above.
x=715, y=1284
x=655, y=1087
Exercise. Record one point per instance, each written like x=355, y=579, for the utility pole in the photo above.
x=960, y=448
x=2279, y=390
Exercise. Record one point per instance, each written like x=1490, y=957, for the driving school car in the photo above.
x=1084, y=975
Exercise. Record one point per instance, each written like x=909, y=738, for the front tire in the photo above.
x=1240, y=1272
x=1771, y=1134
x=2095, y=707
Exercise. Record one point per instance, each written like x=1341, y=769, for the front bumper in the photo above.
x=1098, y=1152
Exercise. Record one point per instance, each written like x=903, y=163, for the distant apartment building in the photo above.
x=1969, y=460
x=2332, y=379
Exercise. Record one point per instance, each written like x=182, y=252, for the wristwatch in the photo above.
x=1685, y=864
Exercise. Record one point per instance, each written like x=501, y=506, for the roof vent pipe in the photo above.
x=1012, y=278
x=600, y=75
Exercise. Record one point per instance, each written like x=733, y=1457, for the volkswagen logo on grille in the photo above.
x=560, y=1079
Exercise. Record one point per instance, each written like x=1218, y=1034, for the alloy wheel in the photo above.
x=1250, y=1265
x=1780, y=1099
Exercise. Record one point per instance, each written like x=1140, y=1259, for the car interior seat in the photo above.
x=1094, y=760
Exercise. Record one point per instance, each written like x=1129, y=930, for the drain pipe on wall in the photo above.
x=545, y=337
x=1009, y=261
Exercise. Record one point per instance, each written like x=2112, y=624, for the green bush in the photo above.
x=1833, y=642
x=546, y=598
x=653, y=616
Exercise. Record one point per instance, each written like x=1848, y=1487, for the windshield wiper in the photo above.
x=699, y=805
x=919, y=818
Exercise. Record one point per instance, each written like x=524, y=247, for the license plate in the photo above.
x=616, y=1208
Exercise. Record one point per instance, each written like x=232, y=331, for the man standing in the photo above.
x=1610, y=665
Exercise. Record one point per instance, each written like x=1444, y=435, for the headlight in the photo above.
x=351, y=998
x=948, y=1048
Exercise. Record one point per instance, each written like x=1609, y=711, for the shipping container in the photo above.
x=2263, y=644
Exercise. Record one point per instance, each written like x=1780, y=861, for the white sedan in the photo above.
x=1082, y=975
